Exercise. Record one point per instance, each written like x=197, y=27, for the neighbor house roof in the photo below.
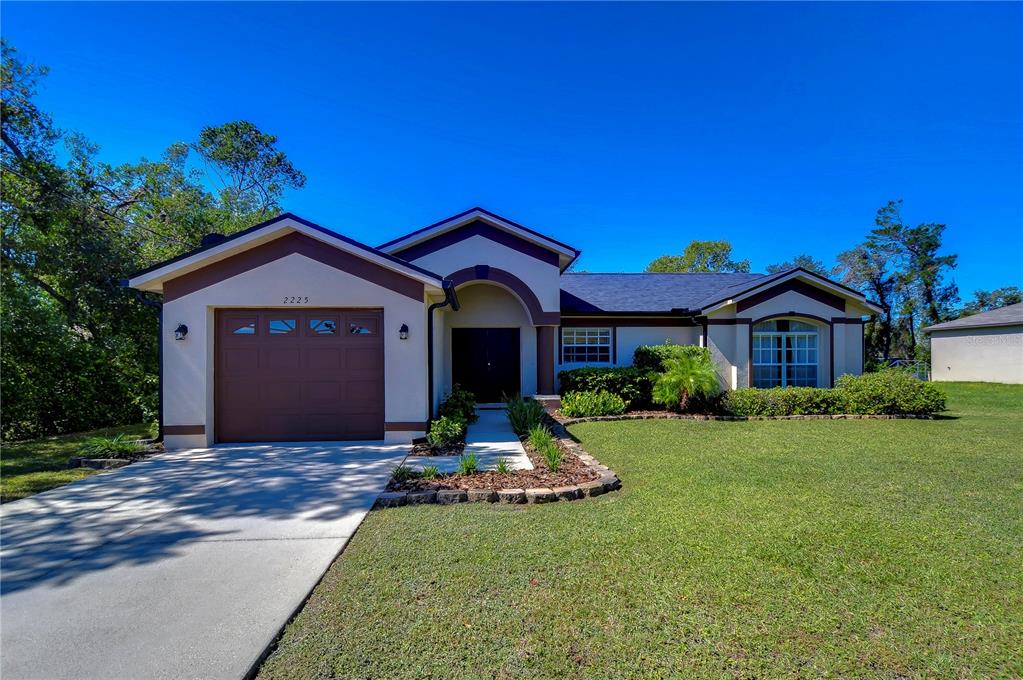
x=1010, y=315
x=667, y=293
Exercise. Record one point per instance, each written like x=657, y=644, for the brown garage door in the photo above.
x=290, y=375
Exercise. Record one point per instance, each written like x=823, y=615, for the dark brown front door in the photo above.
x=485, y=361
x=299, y=375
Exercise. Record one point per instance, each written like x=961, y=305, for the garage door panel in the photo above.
x=299, y=375
x=325, y=358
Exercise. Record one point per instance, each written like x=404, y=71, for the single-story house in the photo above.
x=986, y=347
x=289, y=331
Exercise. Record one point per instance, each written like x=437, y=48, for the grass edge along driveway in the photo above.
x=759, y=549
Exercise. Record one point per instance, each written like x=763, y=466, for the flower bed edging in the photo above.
x=607, y=482
x=682, y=416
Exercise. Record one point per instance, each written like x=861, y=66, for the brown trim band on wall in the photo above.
x=795, y=286
x=184, y=429
x=405, y=427
x=738, y=321
x=852, y=320
x=282, y=247
x=480, y=272
x=545, y=337
x=477, y=228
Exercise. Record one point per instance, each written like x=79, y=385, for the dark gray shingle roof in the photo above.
x=1003, y=316
x=593, y=293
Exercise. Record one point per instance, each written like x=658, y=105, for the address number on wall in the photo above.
x=296, y=299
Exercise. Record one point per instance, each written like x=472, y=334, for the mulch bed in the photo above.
x=572, y=471
x=427, y=449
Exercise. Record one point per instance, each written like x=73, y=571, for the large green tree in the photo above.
x=804, y=261
x=78, y=350
x=985, y=301
x=701, y=256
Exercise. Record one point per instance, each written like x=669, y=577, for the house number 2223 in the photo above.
x=296, y=299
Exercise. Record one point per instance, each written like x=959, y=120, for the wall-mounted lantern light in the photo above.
x=403, y=332
x=180, y=332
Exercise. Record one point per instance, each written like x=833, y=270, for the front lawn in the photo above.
x=30, y=467
x=750, y=549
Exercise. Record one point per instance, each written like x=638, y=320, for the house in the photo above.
x=986, y=347
x=288, y=331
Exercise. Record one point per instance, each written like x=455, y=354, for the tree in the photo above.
x=79, y=350
x=807, y=262
x=985, y=301
x=701, y=256
x=252, y=171
x=866, y=269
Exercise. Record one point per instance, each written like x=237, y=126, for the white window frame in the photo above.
x=786, y=347
x=595, y=339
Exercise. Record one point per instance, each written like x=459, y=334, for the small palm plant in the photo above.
x=684, y=379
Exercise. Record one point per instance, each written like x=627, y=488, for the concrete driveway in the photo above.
x=182, y=566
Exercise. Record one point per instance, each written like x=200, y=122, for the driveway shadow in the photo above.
x=151, y=510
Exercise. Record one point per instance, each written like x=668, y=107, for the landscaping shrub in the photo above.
x=118, y=446
x=502, y=466
x=784, y=401
x=543, y=442
x=459, y=404
x=523, y=414
x=648, y=358
x=430, y=472
x=628, y=382
x=468, y=463
x=688, y=379
x=403, y=473
x=890, y=391
x=886, y=392
x=446, y=431
x=583, y=404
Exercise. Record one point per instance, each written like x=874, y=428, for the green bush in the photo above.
x=890, y=391
x=584, y=404
x=628, y=382
x=648, y=358
x=502, y=466
x=459, y=404
x=403, y=473
x=689, y=380
x=446, y=431
x=430, y=472
x=118, y=446
x=523, y=414
x=886, y=392
x=784, y=401
x=543, y=442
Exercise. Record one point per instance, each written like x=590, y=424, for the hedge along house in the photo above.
x=288, y=331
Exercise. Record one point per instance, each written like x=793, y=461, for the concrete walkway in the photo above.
x=182, y=566
x=490, y=438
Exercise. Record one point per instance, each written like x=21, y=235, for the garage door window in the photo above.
x=323, y=326
x=242, y=327
x=282, y=326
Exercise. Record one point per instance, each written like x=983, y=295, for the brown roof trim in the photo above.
x=482, y=272
x=796, y=286
x=288, y=244
x=280, y=218
x=477, y=228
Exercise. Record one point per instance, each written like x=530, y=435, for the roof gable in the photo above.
x=1010, y=315
x=152, y=278
x=480, y=222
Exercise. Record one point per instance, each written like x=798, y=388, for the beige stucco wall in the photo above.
x=981, y=354
x=489, y=305
x=629, y=338
x=542, y=278
x=188, y=364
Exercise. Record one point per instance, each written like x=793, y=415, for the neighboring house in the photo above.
x=986, y=347
x=292, y=332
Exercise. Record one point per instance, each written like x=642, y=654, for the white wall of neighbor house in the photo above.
x=188, y=364
x=978, y=354
x=542, y=278
x=489, y=305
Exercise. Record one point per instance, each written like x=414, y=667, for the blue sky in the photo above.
x=623, y=129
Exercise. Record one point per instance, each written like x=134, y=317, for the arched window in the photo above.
x=785, y=353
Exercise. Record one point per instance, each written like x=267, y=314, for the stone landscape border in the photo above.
x=682, y=416
x=607, y=482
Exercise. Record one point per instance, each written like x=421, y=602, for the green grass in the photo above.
x=30, y=467
x=748, y=549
